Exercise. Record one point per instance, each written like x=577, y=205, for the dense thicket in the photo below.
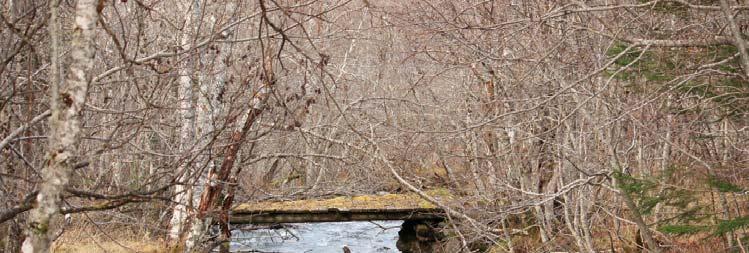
x=560, y=125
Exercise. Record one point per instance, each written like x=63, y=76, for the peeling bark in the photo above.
x=67, y=100
x=209, y=200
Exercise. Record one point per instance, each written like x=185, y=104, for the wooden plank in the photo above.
x=335, y=215
x=380, y=202
x=328, y=210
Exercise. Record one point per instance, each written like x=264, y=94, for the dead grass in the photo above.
x=84, y=238
x=112, y=247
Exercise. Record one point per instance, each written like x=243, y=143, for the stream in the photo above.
x=329, y=237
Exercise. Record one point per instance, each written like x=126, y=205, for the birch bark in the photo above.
x=222, y=177
x=209, y=109
x=182, y=191
x=66, y=99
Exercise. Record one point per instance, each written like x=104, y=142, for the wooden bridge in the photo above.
x=359, y=208
x=418, y=232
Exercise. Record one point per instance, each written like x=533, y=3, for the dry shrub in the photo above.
x=85, y=236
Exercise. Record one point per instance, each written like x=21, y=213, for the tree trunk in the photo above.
x=67, y=100
x=630, y=203
x=183, y=191
x=209, y=108
x=209, y=200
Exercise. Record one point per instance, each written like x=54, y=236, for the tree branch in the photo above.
x=23, y=127
x=739, y=42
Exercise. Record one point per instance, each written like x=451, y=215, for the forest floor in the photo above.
x=85, y=237
x=82, y=238
x=112, y=247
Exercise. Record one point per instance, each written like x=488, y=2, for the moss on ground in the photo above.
x=386, y=201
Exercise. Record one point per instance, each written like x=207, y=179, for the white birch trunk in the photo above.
x=182, y=191
x=209, y=109
x=67, y=100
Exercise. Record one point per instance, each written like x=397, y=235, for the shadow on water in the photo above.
x=331, y=237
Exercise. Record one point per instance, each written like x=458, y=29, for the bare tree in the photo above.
x=556, y=125
x=67, y=100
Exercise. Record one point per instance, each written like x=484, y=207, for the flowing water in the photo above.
x=329, y=237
